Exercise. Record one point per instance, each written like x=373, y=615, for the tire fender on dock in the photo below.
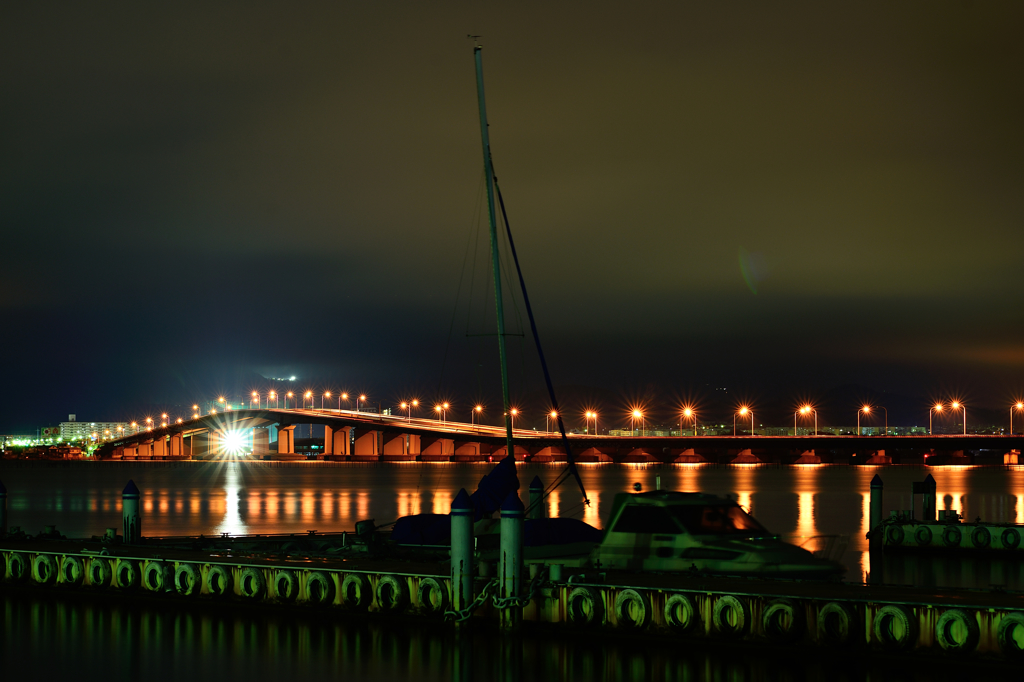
x=680, y=613
x=392, y=593
x=836, y=624
x=432, y=596
x=126, y=575
x=100, y=573
x=957, y=631
x=17, y=566
x=923, y=536
x=158, y=576
x=894, y=535
x=951, y=536
x=44, y=569
x=632, y=610
x=320, y=588
x=981, y=537
x=218, y=581
x=1010, y=625
x=188, y=580
x=72, y=570
x=783, y=621
x=286, y=585
x=730, y=615
x=1010, y=538
x=895, y=627
x=251, y=583
x=585, y=607
x=356, y=592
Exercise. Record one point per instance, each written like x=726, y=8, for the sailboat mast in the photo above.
x=495, y=261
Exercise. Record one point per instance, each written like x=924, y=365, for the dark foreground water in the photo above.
x=47, y=636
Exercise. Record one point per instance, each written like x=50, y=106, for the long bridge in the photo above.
x=369, y=437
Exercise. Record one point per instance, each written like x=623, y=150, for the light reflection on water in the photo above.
x=797, y=502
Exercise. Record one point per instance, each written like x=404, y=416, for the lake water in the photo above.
x=81, y=637
x=796, y=502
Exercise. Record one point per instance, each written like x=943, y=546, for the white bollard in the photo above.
x=131, y=514
x=462, y=551
x=511, y=558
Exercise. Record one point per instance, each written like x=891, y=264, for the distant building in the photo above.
x=76, y=430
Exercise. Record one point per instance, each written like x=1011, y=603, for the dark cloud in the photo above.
x=200, y=192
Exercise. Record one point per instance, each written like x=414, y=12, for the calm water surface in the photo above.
x=797, y=502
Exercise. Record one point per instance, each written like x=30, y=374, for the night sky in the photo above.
x=779, y=200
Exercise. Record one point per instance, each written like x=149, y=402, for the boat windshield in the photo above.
x=721, y=519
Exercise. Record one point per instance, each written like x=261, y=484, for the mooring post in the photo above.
x=928, y=500
x=875, y=504
x=130, y=514
x=462, y=551
x=537, y=498
x=3, y=509
x=511, y=557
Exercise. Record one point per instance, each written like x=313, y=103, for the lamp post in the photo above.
x=289, y=395
x=512, y=413
x=441, y=409
x=588, y=416
x=149, y=423
x=743, y=412
x=1019, y=406
x=955, y=405
x=689, y=413
x=362, y=399
x=806, y=409
x=472, y=415
x=867, y=410
x=343, y=396
x=259, y=400
x=637, y=414
x=937, y=407
x=272, y=396
x=405, y=406
x=195, y=411
x=548, y=419
x=164, y=417
x=327, y=394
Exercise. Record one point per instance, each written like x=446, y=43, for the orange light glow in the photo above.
x=938, y=407
x=744, y=410
x=955, y=405
x=404, y=405
x=254, y=394
x=553, y=414
x=687, y=412
x=362, y=397
x=479, y=408
x=805, y=409
x=514, y=411
x=637, y=414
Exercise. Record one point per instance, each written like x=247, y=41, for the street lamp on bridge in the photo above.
x=512, y=413
x=272, y=396
x=288, y=395
x=327, y=394
x=806, y=409
x=307, y=395
x=472, y=415
x=634, y=416
x=1019, y=406
x=259, y=401
x=937, y=407
x=743, y=412
x=867, y=410
x=441, y=409
x=689, y=413
x=362, y=399
x=588, y=416
x=552, y=416
x=955, y=405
